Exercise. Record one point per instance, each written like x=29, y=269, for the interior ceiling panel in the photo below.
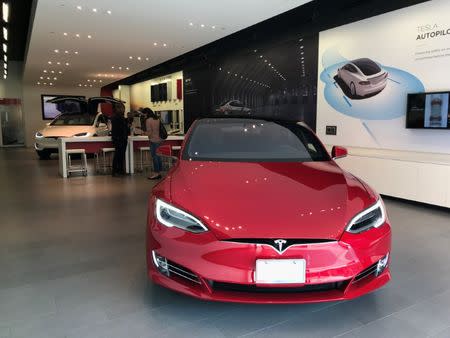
x=96, y=42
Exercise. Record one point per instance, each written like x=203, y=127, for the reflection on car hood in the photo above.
x=65, y=131
x=269, y=200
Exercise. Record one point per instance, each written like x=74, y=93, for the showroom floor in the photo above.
x=72, y=265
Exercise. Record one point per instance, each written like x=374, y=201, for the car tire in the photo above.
x=353, y=89
x=43, y=154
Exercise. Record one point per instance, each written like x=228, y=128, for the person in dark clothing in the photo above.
x=119, y=135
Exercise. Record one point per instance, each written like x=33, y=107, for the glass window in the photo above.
x=367, y=66
x=252, y=140
x=74, y=120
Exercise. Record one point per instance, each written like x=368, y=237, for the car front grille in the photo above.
x=366, y=273
x=252, y=288
x=286, y=245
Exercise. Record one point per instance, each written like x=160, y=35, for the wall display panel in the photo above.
x=368, y=68
x=273, y=79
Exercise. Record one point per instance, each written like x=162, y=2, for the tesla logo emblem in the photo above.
x=280, y=243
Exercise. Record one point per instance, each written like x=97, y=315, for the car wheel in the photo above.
x=352, y=89
x=43, y=154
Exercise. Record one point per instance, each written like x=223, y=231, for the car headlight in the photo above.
x=81, y=135
x=171, y=216
x=372, y=217
x=39, y=135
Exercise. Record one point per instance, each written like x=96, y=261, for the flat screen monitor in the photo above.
x=163, y=91
x=166, y=117
x=428, y=110
x=51, y=110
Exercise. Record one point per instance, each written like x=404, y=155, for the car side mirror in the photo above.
x=338, y=152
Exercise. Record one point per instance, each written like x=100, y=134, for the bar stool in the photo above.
x=103, y=161
x=82, y=167
x=144, y=158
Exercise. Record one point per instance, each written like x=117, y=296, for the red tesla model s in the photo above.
x=256, y=211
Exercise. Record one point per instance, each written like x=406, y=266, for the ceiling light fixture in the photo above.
x=41, y=77
x=77, y=35
x=155, y=44
x=55, y=78
x=58, y=63
x=5, y=11
x=53, y=72
x=49, y=62
x=94, y=10
x=76, y=52
x=139, y=58
x=45, y=70
x=66, y=52
x=146, y=59
x=79, y=8
x=130, y=57
x=109, y=12
x=213, y=27
x=60, y=72
x=5, y=57
x=202, y=25
x=128, y=68
x=5, y=48
x=89, y=36
x=67, y=63
x=112, y=67
x=120, y=68
x=164, y=45
x=65, y=34
x=5, y=33
x=191, y=24
x=56, y=50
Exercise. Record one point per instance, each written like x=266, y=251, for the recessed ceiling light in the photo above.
x=146, y=59
x=120, y=68
x=38, y=83
x=139, y=58
x=109, y=12
x=128, y=68
x=5, y=33
x=58, y=63
x=55, y=78
x=56, y=50
x=5, y=11
x=49, y=62
x=89, y=80
x=67, y=63
x=42, y=78
x=191, y=24
x=77, y=35
x=260, y=56
x=100, y=81
x=95, y=80
x=164, y=44
x=76, y=52
x=45, y=70
x=48, y=78
x=89, y=36
x=94, y=10
x=45, y=83
x=5, y=48
x=66, y=52
x=112, y=67
x=130, y=57
x=53, y=72
x=85, y=85
x=202, y=25
x=155, y=44
x=65, y=34
x=301, y=47
x=213, y=27
x=90, y=85
x=60, y=72
x=79, y=8
x=5, y=57
x=79, y=85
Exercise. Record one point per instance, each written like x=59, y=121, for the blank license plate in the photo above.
x=280, y=271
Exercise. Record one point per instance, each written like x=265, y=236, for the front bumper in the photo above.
x=224, y=271
x=46, y=143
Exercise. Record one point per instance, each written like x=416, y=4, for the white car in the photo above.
x=233, y=107
x=85, y=123
x=363, y=77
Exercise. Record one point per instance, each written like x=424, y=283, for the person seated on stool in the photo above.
x=152, y=131
x=119, y=135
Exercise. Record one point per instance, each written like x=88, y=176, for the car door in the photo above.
x=69, y=104
x=93, y=102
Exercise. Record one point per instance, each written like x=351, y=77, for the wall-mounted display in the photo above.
x=428, y=110
x=51, y=110
x=161, y=92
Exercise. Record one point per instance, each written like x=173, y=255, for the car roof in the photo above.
x=242, y=118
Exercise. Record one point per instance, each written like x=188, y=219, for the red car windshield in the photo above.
x=252, y=140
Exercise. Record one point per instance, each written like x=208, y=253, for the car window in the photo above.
x=101, y=119
x=352, y=69
x=367, y=66
x=236, y=104
x=73, y=120
x=252, y=140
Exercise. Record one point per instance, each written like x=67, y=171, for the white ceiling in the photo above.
x=131, y=29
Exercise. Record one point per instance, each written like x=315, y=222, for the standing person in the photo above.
x=119, y=135
x=152, y=125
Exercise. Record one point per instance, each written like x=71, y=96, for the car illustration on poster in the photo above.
x=362, y=78
x=256, y=211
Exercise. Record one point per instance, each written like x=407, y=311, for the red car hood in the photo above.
x=311, y=200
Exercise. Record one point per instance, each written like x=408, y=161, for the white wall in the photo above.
x=32, y=111
x=412, y=164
